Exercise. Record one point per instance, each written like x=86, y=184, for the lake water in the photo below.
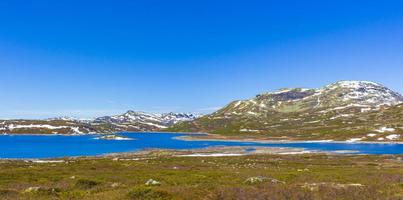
x=40, y=146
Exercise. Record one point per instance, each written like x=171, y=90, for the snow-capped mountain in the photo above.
x=151, y=119
x=362, y=93
x=129, y=121
x=341, y=107
x=342, y=94
x=171, y=118
x=64, y=118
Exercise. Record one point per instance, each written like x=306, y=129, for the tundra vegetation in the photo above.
x=164, y=175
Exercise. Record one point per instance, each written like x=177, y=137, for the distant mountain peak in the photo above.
x=153, y=119
x=364, y=92
x=355, y=82
x=64, y=118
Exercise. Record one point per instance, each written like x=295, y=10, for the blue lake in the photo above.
x=40, y=146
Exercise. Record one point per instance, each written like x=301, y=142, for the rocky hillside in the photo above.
x=346, y=110
x=129, y=121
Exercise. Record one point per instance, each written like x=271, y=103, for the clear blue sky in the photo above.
x=92, y=58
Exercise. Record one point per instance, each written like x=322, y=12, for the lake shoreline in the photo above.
x=214, y=151
x=195, y=144
x=215, y=137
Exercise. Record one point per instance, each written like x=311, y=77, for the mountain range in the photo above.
x=129, y=121
x=345, y=110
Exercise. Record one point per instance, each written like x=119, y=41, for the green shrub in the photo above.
x=49, y=191
x=148, y=193
x=86, y=184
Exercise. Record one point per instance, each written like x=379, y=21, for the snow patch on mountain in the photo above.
x=355, y=139
x=393, y=137
x=46, y=126
x=11, y=127
x=385, y=129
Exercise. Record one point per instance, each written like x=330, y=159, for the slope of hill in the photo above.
x=346, y=110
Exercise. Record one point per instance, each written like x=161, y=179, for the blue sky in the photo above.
x=93, y=58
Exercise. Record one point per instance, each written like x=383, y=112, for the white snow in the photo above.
x=393, y=137
x=313, y=122
x=280, y=91
x=294, y=152
x=252, y=113
x=385, y=129
x=318, y=93
x=237, y=104
x=355, y=139
x=122, y=138
x=366, y=92
x=153, y=119
x=156, y=125
x=355, y=84
x=381, y=138
x=252, y=101
x=262, y=105
x=44, y=126
x=64, y=118
x=365, y=109
x=371, y=134
x=12, y=126
x=112, y=137
x=48, y=161
x=248, y=130
x=349, y=106
x=76, y=130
